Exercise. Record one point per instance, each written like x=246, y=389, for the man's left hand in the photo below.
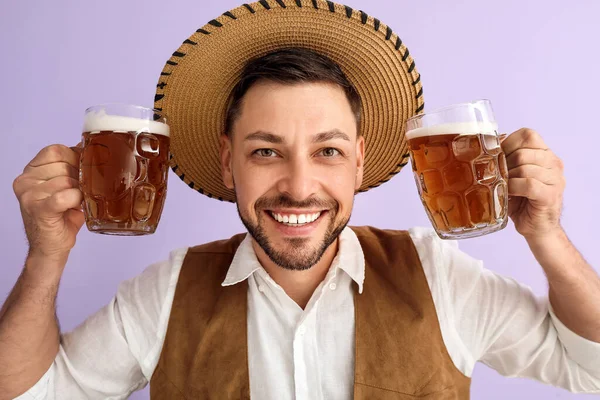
x=536, y=184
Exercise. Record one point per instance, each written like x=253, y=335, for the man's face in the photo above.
x=294, y=155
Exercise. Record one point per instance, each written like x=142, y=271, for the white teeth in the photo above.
x=297, y=219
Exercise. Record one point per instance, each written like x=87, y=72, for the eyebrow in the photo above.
x=330, y=135
x=265, y=137
x=276, y=139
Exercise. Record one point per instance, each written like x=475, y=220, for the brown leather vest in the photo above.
x=400, y=353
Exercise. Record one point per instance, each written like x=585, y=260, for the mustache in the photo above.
x=283, y=201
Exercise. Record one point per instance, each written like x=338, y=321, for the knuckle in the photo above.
x=17, y=183
x=529, y=134
x=531, y=138
x=54, y=151
x=560, y=164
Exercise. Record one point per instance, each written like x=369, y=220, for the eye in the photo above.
x=265, y=153
x=330, y=152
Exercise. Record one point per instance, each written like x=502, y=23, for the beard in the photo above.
x=300, y=255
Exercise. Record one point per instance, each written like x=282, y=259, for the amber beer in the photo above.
x=123, y=173
x=461, y=176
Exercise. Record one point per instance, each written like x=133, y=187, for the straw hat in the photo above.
x=196, y=82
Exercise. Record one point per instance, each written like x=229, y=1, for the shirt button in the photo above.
x=302, y=330
x=261, y=288
x=332, y=286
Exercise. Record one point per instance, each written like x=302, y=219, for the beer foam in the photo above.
x=453, y=128
x=100, y=121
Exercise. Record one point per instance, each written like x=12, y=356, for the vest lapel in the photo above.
x=221, y=365
x=400, y=353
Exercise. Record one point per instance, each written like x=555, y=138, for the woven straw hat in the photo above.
x=197, y=80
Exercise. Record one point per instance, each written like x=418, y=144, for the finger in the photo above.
x=54, y=185
x=49, y=171
x=529, y=188
x=77, y=148
x=42, y=189
x=542, y=158
x=61, y=201
x=523, y=139
x=75, y=216
x=55, y=153
x=544, y=175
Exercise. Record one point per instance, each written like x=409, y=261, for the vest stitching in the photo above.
x=384, y=388
x=170, y=381
x=404, y=393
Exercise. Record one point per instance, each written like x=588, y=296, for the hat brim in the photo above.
x=197, y=80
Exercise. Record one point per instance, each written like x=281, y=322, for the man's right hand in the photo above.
x=50, y=200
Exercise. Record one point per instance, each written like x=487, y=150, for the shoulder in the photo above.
x=224, y=246
x=425, y=240
x=380, y=239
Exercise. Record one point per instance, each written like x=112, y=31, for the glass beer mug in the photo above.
x=460, y=169
x=124, y=167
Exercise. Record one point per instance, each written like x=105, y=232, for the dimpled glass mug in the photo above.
x=124, y=167
x=460, y=169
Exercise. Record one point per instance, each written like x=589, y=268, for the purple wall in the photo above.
x=537, y=61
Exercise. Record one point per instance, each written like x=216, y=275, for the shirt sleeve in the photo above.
x=114, y=352
x=504, y=325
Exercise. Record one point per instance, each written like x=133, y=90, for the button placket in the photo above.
x=300, y=377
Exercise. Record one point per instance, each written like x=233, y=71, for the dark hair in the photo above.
x=289, y=66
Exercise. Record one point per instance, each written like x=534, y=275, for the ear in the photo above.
x=226, y=160
x=360, y=161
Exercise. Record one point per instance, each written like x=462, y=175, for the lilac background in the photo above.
x=536, y=60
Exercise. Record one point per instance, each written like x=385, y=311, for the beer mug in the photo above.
x=460, y=169
x=124, y=167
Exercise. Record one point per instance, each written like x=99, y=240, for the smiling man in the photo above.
x=294, y=156
x=289, y=109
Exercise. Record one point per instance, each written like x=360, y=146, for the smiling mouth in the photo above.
x=296, y=220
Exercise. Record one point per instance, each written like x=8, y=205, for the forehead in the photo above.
x=307, y=108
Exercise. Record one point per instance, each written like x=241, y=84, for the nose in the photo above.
x=298, y=181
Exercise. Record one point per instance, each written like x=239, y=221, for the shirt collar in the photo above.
x=350, y=259
x=244, y=263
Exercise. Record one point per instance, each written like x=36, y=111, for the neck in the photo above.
x=299, y=285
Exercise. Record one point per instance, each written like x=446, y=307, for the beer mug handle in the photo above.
x=147, y=147
x=78, y=148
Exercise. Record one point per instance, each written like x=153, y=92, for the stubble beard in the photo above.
x=299, y=256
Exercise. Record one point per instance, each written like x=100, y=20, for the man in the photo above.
x=302, y=307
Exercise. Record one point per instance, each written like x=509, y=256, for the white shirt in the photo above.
x=295, y=353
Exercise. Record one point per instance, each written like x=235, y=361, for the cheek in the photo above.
x=340, y=186
x=250, y=184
